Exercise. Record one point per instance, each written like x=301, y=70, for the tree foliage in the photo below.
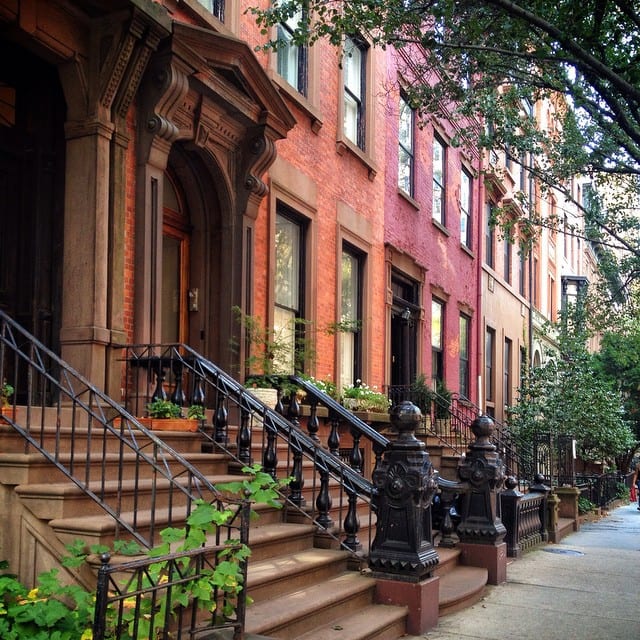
x=618, y=362
x=492, y=60
x=567, y=396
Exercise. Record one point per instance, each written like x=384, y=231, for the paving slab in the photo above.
x=585, y=588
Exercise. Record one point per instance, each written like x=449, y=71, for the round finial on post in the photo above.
x=482, y=428
x=405, y=418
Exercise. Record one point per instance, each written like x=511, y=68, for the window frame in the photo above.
x=464, y=350
x=407, y=149
x=359, y=99
x=507, y=364
x=438, y=214
x=489, y=237
x=508, y=258
x=437, y=350
x=217, y=8
x=280, y=309
x=356, y=330
x=466, y=209
x=301, y=84
x=489, y=365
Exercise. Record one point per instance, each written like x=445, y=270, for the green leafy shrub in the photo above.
x=53, y=611
x=163, y=409
x=585, y=505
x=361, y=397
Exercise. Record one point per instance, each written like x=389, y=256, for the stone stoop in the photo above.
x=299, y=590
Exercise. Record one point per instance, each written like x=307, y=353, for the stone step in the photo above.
x=276, y=576
x=65, y=439
x=374, y=622
x=293, y=614
x=460, y=588
x=23, y=468
x=56, y=500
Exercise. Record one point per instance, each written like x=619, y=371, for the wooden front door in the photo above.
x=175, y=266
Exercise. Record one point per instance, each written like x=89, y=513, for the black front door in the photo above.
x=32, y=116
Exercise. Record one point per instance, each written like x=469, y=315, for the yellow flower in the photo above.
x=87, y=634
x=33, y=594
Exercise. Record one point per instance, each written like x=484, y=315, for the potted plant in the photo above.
x=6, y=393
x=442, y=408
x=422, y=396
x=274, y=355
x=164, y=415
x=362, y=397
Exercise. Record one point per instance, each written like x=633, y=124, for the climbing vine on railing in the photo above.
x=172, y=576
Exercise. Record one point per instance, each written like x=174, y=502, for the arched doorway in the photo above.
x=32, y=116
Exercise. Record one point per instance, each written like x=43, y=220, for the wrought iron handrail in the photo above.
x=52, y=403
x=457, y=436
x=178, y=372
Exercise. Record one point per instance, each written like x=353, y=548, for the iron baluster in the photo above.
x=198, y=393
x=244, y=437
x=270, y=455
x=313, y=424
x=178, y=395
x=159, y=392
x=333, y=442
x=355, y=458
x=323, y=501
x=293, y=413
x=221, y=422
x=448, y=537
x=352, y=523
x=297, y=483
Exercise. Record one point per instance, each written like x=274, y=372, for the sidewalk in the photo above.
x=584, y=588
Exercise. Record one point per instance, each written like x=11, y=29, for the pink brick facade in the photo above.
x=184, y=146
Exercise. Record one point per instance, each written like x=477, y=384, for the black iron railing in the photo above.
x=602, y=490
x=333, y=494
x=107, y=450
x=450, y=421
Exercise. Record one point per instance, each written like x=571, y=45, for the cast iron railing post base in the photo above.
x=481, y=530
x=405, y=485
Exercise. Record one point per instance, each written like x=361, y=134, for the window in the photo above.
x=354, y=65
x=465, y=209
x=437, y=341
x=489, y=237
x=507, y=364
x=507, y=259
x=465, y=324
x=489, y=366
x=216, y=7
x=536, y=284
x=405, y=147
x=522, y=273
x=351, y=316
x=292, y=59
x=289, y=284
x=438, y=182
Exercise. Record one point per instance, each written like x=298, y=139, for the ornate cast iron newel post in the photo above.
x=402, y=555
x=481, y=531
